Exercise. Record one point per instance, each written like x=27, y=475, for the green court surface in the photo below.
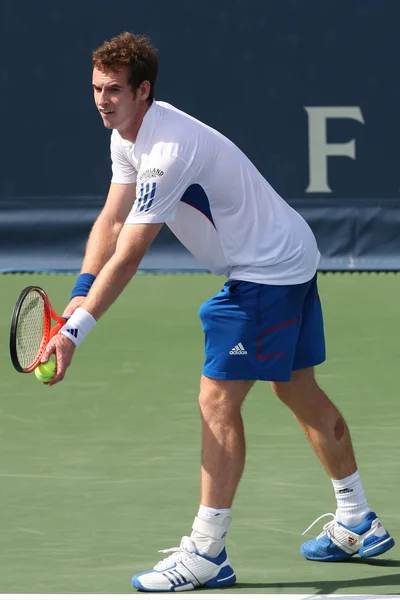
x=101, y=471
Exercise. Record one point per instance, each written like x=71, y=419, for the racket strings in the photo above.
x=31, y=328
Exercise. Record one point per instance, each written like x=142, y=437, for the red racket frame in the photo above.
x=48, y=330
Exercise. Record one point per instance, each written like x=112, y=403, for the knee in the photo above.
x=302, y=385
x=222, y=400
x=212, y=403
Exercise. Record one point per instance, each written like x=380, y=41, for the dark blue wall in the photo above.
x=246, y=67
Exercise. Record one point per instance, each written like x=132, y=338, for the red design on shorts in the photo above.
x=266, y=356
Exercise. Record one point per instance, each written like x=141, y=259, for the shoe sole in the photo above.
x=213, y=584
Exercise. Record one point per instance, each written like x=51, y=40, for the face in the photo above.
x=119, y=106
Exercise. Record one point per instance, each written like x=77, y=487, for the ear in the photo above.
x=144, y=90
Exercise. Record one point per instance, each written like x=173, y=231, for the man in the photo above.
x=265, y=324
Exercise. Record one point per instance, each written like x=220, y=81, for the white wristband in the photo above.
x=78, y=326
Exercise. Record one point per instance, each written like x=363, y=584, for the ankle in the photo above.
x=211, y=514
x=352, y=505
x=209, y=530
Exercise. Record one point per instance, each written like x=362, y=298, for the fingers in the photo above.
x=61, y=346
x=63, y=349
x=50, y=349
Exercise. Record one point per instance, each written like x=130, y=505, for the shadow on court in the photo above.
x=378, y=562
x=331, y=586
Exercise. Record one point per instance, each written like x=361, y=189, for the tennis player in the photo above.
x=265, y=324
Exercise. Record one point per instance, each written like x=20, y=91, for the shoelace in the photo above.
x=325, y=527
x=179, y=554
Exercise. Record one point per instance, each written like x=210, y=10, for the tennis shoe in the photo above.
x=186, y=570
x=339, y=542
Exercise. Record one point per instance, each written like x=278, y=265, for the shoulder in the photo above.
x=175, y=124
x=176, y=134
x=169, y=111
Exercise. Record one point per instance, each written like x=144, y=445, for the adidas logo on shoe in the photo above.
x=238, y=349
x=352, y=541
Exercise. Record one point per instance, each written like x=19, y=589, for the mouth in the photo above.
x=106, y=112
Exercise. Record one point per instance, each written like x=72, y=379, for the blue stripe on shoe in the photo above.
x=225, y=578
x=374, y=545
x=217, y=560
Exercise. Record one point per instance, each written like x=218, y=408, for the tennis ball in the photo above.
x=46, y=371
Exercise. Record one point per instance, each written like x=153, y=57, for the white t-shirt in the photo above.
x=213, y=199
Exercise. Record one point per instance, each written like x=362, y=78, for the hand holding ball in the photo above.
x=46, y=371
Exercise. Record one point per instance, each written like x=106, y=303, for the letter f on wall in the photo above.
x=318, y=147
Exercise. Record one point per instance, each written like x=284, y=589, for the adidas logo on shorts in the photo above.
x=238, y=349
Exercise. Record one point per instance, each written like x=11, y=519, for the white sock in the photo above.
x=209, y=530
x=205, y=512
x=352, y=505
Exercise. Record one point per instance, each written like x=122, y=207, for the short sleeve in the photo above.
x=161, y=183
x=122, y=170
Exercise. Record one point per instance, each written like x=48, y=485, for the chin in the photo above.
x=107, y=124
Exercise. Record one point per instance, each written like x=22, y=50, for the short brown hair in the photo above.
x=133, y=51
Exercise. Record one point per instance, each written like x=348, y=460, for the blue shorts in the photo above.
x=264, y=332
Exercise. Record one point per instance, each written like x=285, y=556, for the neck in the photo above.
x=130, y=133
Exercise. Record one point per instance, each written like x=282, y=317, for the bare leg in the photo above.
x=320, y=420
x=223, y=451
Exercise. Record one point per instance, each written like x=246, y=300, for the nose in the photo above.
x=103, y=100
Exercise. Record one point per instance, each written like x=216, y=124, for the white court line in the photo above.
x=193, y=596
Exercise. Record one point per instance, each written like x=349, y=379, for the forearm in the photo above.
x=133, y=242
x=112, y=280
x=101, y=244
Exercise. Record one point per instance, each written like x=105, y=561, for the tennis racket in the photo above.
x=31, y=328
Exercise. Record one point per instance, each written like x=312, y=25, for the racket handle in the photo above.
x=57, y=327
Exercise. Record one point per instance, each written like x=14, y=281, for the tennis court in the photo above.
x=101, y=471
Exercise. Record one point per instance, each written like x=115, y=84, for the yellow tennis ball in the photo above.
x=46, y=371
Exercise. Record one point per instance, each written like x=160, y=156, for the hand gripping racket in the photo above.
x=31, y=328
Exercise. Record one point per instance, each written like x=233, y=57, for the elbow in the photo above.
x=126, y=265
x=112, y=224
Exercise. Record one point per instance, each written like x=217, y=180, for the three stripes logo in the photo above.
x=145, y=197
x=238, y=349
x=352, y=541
x=175, y=578
x=73, y=332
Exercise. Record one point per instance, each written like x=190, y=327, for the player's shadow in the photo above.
x=331, y=586
x=376, y=562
